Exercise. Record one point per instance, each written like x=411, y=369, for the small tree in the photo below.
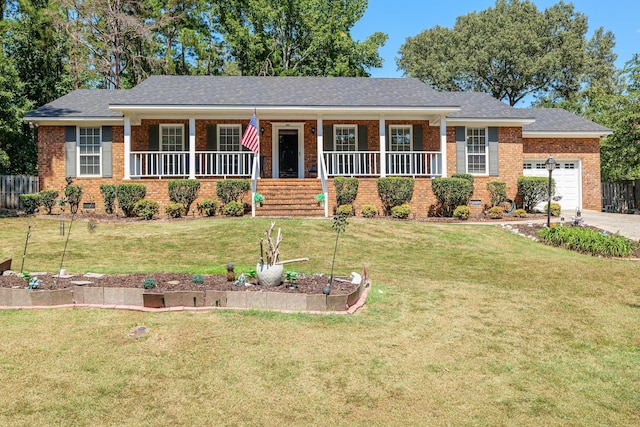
x=109, y=193
x=73, y=194
x=534, y=189
x=184, y=191
x=497, y=191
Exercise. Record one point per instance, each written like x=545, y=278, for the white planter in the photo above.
x=269, y=275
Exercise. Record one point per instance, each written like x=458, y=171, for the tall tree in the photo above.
x=510, y=51
x=297, y=37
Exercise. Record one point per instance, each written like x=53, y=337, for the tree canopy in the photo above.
x=49, y=47
x=511, y=51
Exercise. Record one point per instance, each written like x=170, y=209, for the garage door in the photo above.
x=567, y=176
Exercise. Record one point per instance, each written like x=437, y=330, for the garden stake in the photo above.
x=24, y=254
x=55, y=281
x=339, y=224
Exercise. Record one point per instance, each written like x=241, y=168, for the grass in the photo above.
x=465, y=325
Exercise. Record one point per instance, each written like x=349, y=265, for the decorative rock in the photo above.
x=9, y=273
x=93, y=275
x=173, y=282
x=81, y=282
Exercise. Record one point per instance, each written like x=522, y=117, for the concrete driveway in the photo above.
x=626, y=224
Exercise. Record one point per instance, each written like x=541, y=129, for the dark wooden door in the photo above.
x=288, y=155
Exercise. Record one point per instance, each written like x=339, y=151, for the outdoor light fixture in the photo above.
x=262, y=130
x=313, y=131
x=550, y=164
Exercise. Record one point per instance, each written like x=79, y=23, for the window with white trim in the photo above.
x=345, y=138
x=89, y=152
x=477, y=150
x=171, y=137
x=400, y=138
x=229, y=137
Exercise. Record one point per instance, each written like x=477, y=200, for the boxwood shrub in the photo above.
x=401, y=211
x=555, y=208
x=394, y=191
x=174, y=210
x=128, y=195
x=588, y=240
x=232, y=190
x=451, y=193
x=462, y=212
x=233, y=209
x=184, y=191
x=30, y=202
x=208, y=207
x=345, y=211
x=346, y=190
x=533, y=189
x=368, y=211
x=496, y=212
x=146, y=209
x=48, y=199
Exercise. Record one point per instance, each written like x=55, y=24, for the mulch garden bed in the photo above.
x=305, y=284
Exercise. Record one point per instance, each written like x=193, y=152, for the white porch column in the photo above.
x=443, y=145
x=192, y=149
x=383, y=149
x=127, y=148
x=320, y=144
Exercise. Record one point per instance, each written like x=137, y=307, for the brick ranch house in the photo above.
x=311, y=130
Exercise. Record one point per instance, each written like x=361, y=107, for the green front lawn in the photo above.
x=465, y=325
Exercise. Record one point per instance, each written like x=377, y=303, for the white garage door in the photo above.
x=567, y=176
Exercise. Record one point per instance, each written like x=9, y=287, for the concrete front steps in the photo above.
x=289, y=197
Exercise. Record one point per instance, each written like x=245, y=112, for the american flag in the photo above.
x=250, y=136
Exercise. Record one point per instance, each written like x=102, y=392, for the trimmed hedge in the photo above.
x=232, y=190
x=451, y=193
x=555, y=208
x=128, y=195
x=368, y=211
x=401, y=211
x=174, y=210
x=344, y=211
x=233, y=209
x=533, y=189
x=462, y=212
x=30, y=202
x=208, y=207
x=588, y=240
x=346, y=190
x=184, y=191
x=497, y=191
x=394, y=191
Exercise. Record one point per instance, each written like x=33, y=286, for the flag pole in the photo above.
x=254, y=172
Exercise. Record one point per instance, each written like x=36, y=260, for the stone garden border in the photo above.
x=140, y=300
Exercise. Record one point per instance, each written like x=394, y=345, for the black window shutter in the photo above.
x=493, y=152
x=154, y=138
x=70, y=150
x=417, y=138
x=212, y=138
x=327, y=135
x=363, y=138
x=107, y=156
x=186, y=137
x=461, y=149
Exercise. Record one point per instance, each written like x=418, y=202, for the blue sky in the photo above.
x=406, y=18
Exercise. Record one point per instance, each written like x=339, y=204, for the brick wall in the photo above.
x=587, y=150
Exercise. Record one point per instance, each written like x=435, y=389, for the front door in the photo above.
x=288, y=153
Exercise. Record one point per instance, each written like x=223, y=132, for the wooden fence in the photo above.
x=11, y=186
x=621, y=197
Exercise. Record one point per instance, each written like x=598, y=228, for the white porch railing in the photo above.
x=367, y=163
x=414, y=163
x=352, y=163
x=176, y=163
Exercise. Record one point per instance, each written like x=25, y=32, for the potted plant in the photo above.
x=320, y=198
x=259, y=199
x=269, y=273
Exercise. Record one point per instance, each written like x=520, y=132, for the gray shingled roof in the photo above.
x=559, y=120
x=476, y=105
x=80, y=103
x=284, y=91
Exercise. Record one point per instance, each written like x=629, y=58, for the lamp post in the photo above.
x=550, y=164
